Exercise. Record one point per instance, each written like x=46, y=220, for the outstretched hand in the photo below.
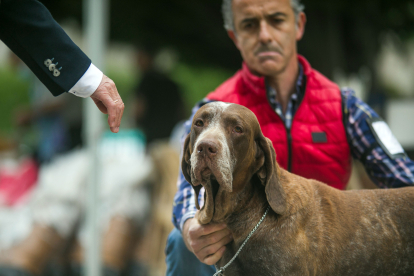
x=107, y=99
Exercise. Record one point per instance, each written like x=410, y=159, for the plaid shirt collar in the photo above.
x=293, y=102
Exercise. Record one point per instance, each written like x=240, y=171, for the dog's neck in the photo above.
x=251, y=203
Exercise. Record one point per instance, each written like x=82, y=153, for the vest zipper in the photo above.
x=289, y=141
x=289, y=137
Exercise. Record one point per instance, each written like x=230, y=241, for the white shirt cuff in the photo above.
x=88, y=83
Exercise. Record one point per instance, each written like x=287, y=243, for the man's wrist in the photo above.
x=185, y=217
x=184, y=233
x=186, y=223
x=88, y=83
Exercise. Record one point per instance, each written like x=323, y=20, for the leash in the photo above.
x=220, y=272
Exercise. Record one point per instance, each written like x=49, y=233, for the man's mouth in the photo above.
x=268, y=51
x=268, y=54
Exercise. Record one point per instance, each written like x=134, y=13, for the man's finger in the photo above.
x=212, y=259
x=117, y=120
x=213, y=248
x=112, y=113
x=211, y=228
x=204, y=242
x=115, y=111
x=215, y=237
x=197, y=232
x=120, y=112
x=118, y=115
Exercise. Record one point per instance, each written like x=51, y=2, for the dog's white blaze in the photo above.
x=219, y=107
x=225, y=161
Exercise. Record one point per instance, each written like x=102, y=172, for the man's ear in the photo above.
x=268, y=174
x=300, y=26
x=233, y=37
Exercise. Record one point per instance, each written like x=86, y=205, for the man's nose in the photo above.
x=207, y=148
x=264, y=34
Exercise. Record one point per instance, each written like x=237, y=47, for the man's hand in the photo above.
x=207, y=242
x=109, y=102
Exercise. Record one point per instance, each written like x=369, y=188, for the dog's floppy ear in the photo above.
x=268, y=175
x=186, y=168
x=185, y=161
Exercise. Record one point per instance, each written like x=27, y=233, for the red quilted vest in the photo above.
x=319, y=112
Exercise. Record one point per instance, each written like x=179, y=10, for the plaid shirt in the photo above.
x=383, y=170
x=292, y=104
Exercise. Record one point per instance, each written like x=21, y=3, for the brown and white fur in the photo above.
x=311, y=229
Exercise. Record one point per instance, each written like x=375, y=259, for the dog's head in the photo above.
x=223, y=151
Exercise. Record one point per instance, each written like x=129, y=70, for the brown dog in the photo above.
x=311, y=229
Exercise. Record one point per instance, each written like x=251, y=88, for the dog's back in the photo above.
x=365, y=232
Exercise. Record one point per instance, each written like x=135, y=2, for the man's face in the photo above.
x=266, y=33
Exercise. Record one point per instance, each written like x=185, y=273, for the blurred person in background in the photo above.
x=46, y=225
x=30, y=31
x=56, y=122
x=316, y=127
x=158, y=104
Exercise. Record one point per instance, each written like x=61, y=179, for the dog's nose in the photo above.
x=207, y=148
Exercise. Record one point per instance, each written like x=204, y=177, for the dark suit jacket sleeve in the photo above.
x=30, y=31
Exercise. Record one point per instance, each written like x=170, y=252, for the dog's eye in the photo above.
x=238, y=129
x=199, y=123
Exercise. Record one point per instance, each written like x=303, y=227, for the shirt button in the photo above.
x=56, y=73
x=52, y=67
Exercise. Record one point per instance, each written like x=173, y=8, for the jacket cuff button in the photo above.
x=56, y=73
x=47, y=62
x=52, y=67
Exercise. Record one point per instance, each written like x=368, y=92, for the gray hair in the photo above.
x=227, y=11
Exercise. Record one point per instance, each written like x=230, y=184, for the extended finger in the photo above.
x=119, y=112
x=115, y=110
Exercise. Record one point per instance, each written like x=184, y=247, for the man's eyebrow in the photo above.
x=249, y=19
x=253, y=18
x=276, y=14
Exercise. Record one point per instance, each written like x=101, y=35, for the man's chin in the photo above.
x=268, y=70
x=266, y=67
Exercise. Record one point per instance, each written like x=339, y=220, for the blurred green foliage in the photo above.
x=124, y=81
x=13, y=93
x=195, y=83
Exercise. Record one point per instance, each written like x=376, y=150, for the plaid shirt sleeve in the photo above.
x=385, y=171
x=184, y=202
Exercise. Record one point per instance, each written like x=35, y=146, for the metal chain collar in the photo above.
x=221, y=270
